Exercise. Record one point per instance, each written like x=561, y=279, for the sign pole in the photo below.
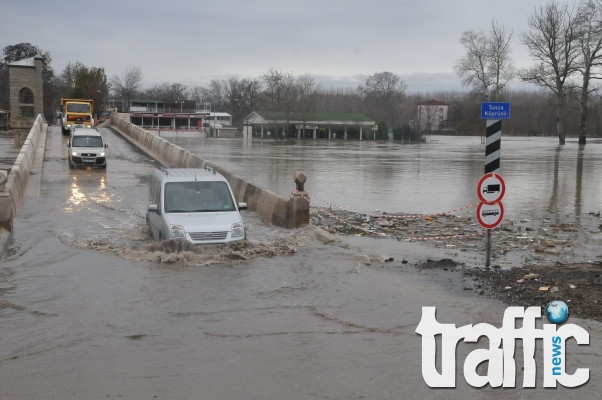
x=493, y=113
x=493, y=141
x=488, y=254
x=490, y=211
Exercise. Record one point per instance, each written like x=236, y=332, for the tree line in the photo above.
x=564, y=42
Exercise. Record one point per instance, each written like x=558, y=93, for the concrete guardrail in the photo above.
x=290, y=212
x=12, y=195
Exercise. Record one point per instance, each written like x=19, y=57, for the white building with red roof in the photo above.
x=430, y=115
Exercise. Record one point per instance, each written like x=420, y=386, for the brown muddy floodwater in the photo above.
x=91, y=308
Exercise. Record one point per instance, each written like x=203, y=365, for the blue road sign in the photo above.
x=495, y=110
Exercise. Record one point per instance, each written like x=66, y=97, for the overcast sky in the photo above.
x=338, y=42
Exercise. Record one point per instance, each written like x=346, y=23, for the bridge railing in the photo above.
x=12, y=195
x=290, y=212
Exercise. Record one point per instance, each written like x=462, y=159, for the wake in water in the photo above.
x=141, y=247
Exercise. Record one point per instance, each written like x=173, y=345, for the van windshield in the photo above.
x=198, y=197
x=87, y=141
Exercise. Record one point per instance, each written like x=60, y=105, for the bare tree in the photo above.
x=383, y=95
x=500, y=61
x=242, y=97
x=198, y=94
x=590, y=41
x=472, y=69
x=216, y=93
x=176, y=92
x=289, y=95
x=157, y=92
x=233, y=89
x=552, y=42
x=487, y=65
x=69, y=76
x=273, y=81
x=306, y=88
x=251, y=89
x=128, y=84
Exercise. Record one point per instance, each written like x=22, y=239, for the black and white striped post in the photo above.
x=493, y=113
x=493, y=142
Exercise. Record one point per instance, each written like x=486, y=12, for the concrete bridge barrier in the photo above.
x=290, y=212
x=13, y=194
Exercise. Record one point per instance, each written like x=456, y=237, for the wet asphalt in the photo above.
x=87, y=312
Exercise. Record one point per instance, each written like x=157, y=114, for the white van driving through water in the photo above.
x=86, y=149
x=193, y=204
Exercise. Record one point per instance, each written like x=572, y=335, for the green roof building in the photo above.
x=309, y=121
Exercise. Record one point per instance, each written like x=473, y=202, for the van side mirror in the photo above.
x=106, y=145
x=153, y=208
x=242, y=206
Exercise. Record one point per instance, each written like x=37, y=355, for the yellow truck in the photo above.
x=76, y=113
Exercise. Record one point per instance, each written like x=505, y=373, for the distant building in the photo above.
x=309, y=122
x=26, y=91
x=218, y=120
x=431, y=115
x=179, y=114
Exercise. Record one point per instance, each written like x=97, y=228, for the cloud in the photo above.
x=194, y=42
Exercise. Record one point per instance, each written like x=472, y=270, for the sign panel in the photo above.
x=491, y=188
x=495, y=110
x=490, y=215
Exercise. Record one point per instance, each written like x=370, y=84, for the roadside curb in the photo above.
x=138, y=146
x=5, y=237
x=24, y=178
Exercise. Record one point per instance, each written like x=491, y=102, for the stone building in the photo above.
x=25, y=91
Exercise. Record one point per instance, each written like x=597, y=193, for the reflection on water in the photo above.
x=578, y=180
x=97, y=195
x=542, y=178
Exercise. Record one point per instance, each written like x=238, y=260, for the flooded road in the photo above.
x=91, y=308
x=542, y=178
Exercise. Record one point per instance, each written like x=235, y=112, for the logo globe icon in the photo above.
x=557, y=311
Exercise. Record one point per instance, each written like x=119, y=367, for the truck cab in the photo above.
x=75, y=113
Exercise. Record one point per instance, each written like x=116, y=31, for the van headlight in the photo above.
x=102, y=154
x=177, y=232
x=74, y=153
x=238, y=230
